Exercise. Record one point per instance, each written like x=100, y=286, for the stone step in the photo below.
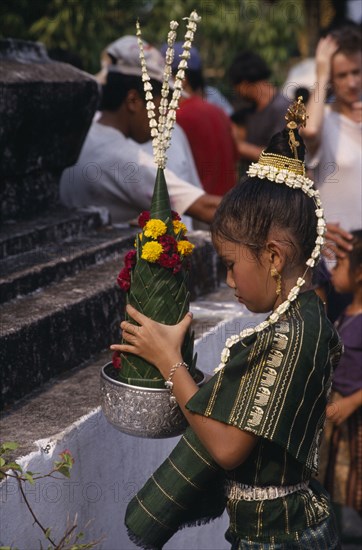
x=25, y=273
x=49, y=409
x=57, y=226
x=62, y=325
x=58, y=328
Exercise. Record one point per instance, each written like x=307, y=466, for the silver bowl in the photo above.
x=138, y=411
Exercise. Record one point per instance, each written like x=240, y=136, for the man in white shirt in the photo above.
x=112, y=170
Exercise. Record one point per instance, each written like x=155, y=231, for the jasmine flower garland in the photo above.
x=161, y=131
x=155, y=275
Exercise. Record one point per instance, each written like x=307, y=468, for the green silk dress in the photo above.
x=275, y=385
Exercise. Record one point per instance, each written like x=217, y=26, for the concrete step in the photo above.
x=55, y=226
x=58, y=328
x=64, y=399
x=35, y=269
x=62, y=325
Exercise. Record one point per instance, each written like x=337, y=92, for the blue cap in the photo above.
x=193, y=63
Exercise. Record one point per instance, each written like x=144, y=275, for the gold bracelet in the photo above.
x=169, y=383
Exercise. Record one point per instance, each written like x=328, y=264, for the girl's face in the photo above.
x=341, y=276
x=247, y=275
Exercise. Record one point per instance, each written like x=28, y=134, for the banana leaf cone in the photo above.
x=158, y=293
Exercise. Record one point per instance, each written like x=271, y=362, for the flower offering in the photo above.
x=155, y=274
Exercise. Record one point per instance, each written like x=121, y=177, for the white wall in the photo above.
x=110, y=467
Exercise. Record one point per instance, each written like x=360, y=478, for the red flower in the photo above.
x=116, y=360
x=175, y=215
x=130, y=259
x=171, y=262
x=124, y=285
x=169, y=243
x=143, y=218
x=177, y=267
x=124, y=278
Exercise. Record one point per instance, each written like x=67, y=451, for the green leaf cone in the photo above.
x=159, y=294
x=160, y=204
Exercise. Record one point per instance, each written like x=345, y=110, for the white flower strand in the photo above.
x=306, y=185
x=161, y=132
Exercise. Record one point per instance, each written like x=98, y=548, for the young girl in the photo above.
x=255, y=426
x=342, y=445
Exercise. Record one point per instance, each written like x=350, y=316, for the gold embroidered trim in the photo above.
x=212, y=399
x=152, y=516
x=183, y=475
x=198, y=454
x=167, y=495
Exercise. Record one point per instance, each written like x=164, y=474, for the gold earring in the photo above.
x=276, y=275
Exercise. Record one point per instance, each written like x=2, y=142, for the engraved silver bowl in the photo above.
x=138, y=411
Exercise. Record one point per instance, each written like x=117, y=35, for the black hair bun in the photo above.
x=279, y=144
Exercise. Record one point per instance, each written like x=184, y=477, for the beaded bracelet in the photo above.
x=169, y=383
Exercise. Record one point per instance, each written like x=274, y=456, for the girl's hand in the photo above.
x=158, y=344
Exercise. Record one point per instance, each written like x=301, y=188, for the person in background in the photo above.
x=210, y=93
x=250, y=77
x=179, y=155
x=239, y=121
x=333, y=138
x=112, y=170
x=341, y=449
x=207, y=128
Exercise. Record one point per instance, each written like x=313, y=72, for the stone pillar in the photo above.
x=46, y=108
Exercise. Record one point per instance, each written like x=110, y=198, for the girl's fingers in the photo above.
x=126, y=326
x=136, y=315
x=123, y=348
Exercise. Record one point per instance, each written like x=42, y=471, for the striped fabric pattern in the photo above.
x=275, y=385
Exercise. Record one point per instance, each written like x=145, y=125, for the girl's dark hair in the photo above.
x=355, y=256
x=115, y=91
x=254, y=206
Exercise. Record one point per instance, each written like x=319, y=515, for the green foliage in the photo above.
x=11, y=469
x=87, y=26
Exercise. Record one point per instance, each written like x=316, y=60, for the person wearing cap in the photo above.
x=112, y=170
x=249, y=75
x=179, y=155
x=207, y=128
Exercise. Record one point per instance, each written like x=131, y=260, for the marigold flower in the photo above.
x=124, y=285
x=155, y=228
x=168, y=243
x=179, y=227
x=143, y=218
x=124, y=279
x=151, y=252
x=130, y=259
x=185, y=248
x=170, y=262
x=139, y=236
x=175, y=215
